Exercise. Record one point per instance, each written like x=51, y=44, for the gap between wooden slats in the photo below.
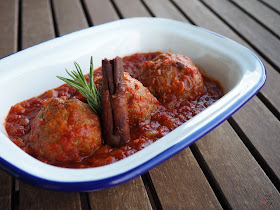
x=131, y=8
x=37, y=25
x=69, y=16
x=125, y=196
x=98, y=16
x=9, y=25
x=35, y=198
x=273, y=4
x=265, y=42
x=260, y=12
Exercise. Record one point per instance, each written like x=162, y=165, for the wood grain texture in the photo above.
x=37, y=23
x=239, y=176
x=5, y=190
x=180, y=184
x=9, y=25
x=34, y=198
x=273, y=3
x=164, y=9
x=263, y=131
x=101, y=11
x=130, y=195
x=69, y=16
x=199, y=13
x=132, y=8
x=261, y=38
x=265, y=15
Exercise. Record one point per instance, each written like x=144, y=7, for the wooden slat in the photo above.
x=35, y=198
x=262, y=39
x=37, y=24
x=5, y=190
x=239, y=176
x=263, y=134
x=9, y=25
x=254, y=112
x=262, y=13
x=130, y=195
x=273, y=3
x=101, y=11
x=164, y=9
x=180, y=184
x=8, y=45
x=69, y=16
x=132, y=8
x=199, y=13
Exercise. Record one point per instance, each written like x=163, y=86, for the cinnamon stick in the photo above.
x=114, y=104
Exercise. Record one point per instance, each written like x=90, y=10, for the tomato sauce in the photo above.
x=167, y=118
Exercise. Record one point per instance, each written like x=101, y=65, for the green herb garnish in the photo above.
x=88, y=90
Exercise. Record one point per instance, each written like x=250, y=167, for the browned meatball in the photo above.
x=65, y=130
x=172, y=75
x=141, y=103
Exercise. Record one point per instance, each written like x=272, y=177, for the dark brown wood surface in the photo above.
x=237, y=165
x=99, y=16
x=36, y=22
x=9, y=29
x=69, y=16
x=130, y=195
x=33, y=198
x=180, y=183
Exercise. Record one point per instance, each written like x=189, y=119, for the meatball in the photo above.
x=65, y=130
x=171, y=75
x=141, y=103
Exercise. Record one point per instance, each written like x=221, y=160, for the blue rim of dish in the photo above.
x=153, y=162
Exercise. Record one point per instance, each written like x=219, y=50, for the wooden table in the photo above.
x=237, y=165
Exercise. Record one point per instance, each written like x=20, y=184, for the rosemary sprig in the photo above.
x=89, y=91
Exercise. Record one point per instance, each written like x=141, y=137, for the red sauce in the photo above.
x=169, y=117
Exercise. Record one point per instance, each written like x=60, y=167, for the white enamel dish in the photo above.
x=31, y=72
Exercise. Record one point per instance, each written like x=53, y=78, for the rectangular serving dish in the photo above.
x=30, y=72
